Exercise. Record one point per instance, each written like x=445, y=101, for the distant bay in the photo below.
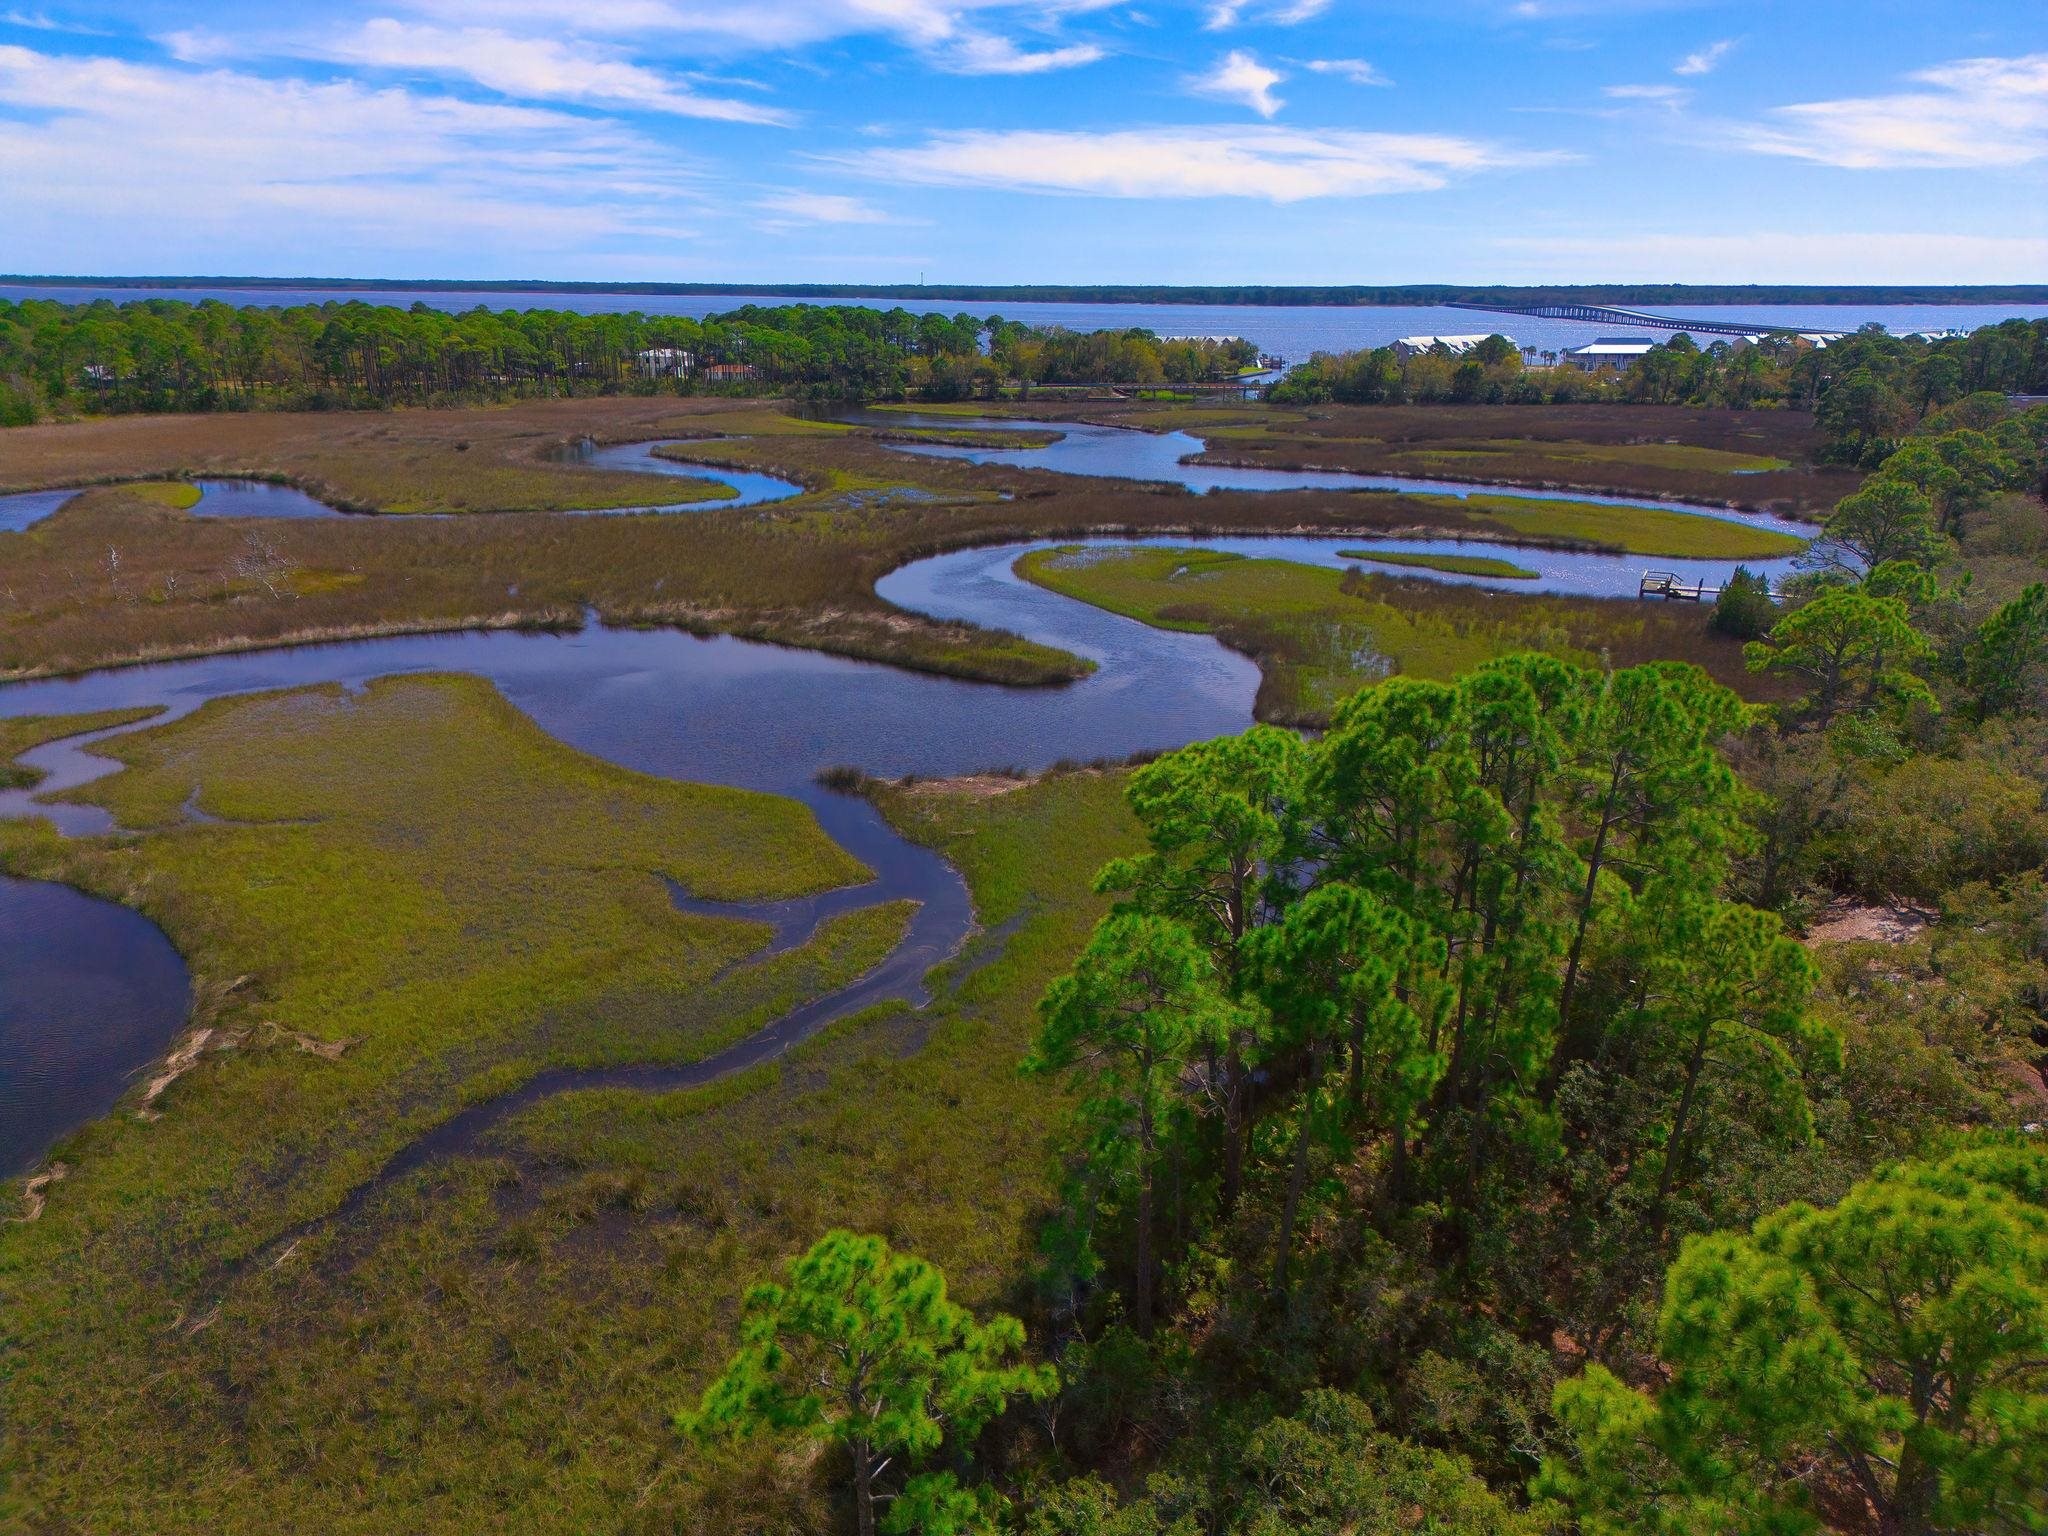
x=1288, y=331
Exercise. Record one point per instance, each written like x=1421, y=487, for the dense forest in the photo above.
x=1870, y=388
x=166, y=354
x=1466, y=1144
x=1410, y=294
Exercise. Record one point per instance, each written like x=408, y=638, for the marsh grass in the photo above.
x=1763, y=459
x=1631, y=530
x=1318, y=634
x=497, y=1342
x=799, y=572
x=1457, y=565
x=23, y=733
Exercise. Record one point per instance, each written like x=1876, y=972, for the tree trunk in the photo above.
x=863, y=1487
x=1297, y=1176
x=1142, y=1301
x=1693, y=1068
x=1585, y=921
x=1233, y=1130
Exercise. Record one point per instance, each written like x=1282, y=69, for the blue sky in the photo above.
x=1281, y=141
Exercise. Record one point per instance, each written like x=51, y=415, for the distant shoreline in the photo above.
x=1416, y=295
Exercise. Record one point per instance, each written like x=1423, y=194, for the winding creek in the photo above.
x=228, y=497
x=714, y=710
x=1167, y=458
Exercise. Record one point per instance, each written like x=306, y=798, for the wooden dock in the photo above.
x=1673, y=588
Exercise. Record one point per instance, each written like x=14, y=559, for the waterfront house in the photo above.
x=1609, y=353
x=1457, y=346
x=666, y=362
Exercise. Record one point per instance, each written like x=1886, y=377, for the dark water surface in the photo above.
x=641, y=458
x=1126, y=453
x=90, y=993
x=715, y=710
x=26, y=508
x=257, y=498
x=231, y=497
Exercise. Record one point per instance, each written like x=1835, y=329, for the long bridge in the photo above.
x=1605, y=314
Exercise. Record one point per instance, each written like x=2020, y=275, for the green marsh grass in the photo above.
x=1318, y=634
x=1457, y=565
x=498, y=1342
x=24, y=732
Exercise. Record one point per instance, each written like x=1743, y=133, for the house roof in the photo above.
x=1614, y=346
x=1455, y=343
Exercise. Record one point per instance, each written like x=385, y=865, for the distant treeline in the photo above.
x=1869, y=389
x=1662, y=294
x=167, y=354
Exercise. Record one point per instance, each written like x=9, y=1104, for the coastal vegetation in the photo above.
x=1631, y=530
x=1493, y=1113
x=1684, y=453
x=23, y=733
x=559, y=1294
x=1868, y=388
x=166, y=354
x=1319, y=634
x=1455, y=565
x=116, y=577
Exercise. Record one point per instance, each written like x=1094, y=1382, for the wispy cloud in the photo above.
x=1239, y=77
x=203, y=158
x=938, y=27
x=1970, y=113
x=1222, y=15
x=43, y=21
x=525, y=68
x=1704, y=61
x=1669, y=96
x=1357, y=71
x=1274, y=164
x=822, y=208
x=982, y=53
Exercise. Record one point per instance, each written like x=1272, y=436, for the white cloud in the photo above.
x=753, y=25
x=1974, y=112
x=207, y=160
x=822, y=208
x=1704, y=60
x=1671, y=96
x=43, y=21
x=1240, y=77
x=983, y=53
x=527, y=68
x=1225, y=14
x=1778, y=257
x=1276, y=164
x=1357, y=71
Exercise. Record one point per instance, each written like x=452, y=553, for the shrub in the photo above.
x=1744, y=608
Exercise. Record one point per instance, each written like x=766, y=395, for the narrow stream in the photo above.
x=726, y=711
x=230, y=497
x=713, y=710
x=1128, y=453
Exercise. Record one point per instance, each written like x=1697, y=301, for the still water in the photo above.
x=1124, y=453
x=1288, y=331
x=714, y=710
x=238, y=498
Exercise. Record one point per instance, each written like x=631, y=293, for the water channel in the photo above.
x=245, y=498
x=714, y=710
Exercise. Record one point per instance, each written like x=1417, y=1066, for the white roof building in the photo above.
x=1457, y=346
x=1610, y=352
